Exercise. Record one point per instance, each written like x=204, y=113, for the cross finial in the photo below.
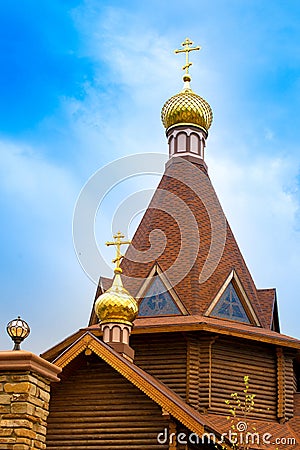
x=187, y=48
x=118, y=242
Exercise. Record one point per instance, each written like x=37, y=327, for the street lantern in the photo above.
x=18, y=330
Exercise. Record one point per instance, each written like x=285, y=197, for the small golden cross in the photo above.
x=187, y=49
x=118, y=242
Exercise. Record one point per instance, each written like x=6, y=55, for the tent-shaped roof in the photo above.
x=184, y=230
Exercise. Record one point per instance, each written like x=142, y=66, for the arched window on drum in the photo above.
x=195, y=144
x=181, y=142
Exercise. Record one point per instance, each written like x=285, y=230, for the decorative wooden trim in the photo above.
x=160, y=394
x=74, y=350
x=232, y=277
x=280, y=383
x=156, y=270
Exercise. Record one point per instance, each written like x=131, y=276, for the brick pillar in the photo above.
x=24, y=400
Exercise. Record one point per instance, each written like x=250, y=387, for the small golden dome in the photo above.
x=116, y=305
x=186, y=107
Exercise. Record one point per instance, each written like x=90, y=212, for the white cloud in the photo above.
x=38, y=261
x=260, y=201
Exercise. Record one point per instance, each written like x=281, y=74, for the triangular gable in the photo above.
x=230, y=307
x=163, y=396
x=159, y=393
x=232, y=303
x=158, y=298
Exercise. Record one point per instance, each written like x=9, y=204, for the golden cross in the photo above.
x=187, y=49
x=118, y=242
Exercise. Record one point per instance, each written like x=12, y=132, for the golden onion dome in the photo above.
x=186, y=107
x=116, y=305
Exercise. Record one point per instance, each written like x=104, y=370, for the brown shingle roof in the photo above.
x=294, y=424
x=280, y=434
x=172, y=217
x=199, y=322
x=267, y=298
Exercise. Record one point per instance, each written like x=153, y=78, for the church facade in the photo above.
x=181, y=348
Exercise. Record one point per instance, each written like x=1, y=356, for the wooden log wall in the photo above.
x=290, y=383
x=163, y=355
x=199, y=370
x=231, y=361
x=280, y=384
x=94, y=407
x=193, y=371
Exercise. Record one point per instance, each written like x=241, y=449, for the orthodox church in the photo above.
x=181, y=349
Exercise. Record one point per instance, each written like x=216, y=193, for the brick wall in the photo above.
x=24, y=400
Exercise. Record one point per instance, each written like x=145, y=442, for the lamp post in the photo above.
x=18, y=330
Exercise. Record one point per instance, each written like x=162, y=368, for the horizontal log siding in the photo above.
x=280, y=384
x=290, y=384
x=193, y=371
x=96, y=408
x=231, y=361
x=163, y=355
x=205, y=373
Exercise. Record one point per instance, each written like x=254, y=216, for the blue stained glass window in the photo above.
x=230, y=307
x=158, y=301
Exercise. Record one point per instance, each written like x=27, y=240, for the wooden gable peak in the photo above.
x=170, y=402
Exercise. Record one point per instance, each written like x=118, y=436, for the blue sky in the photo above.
x=82, y=83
